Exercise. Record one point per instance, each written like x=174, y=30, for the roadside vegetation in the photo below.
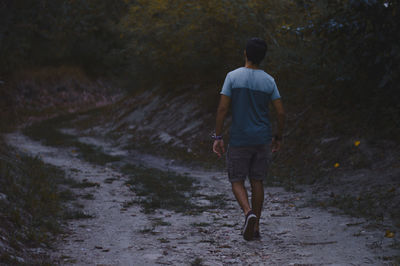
x=48, y=131
x=35, y=200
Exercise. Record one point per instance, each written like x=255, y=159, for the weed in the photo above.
x=163, y=240
x=47, y=132
x=129, y=203
x=373, y=204
x=66, y=195
x=200, y=224
x=109, y=180
x=158, y=189
x=75, y=214
x=36, y=196
x=85, y=184
x=88, y=196
x=148, y=231
x=197, y=262
x=160, y=222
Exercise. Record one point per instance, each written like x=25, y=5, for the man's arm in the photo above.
x=281, y=117
x=223, y=107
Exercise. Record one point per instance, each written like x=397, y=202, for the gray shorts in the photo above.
x=248, y=161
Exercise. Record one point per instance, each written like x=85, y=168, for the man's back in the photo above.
x=250, y=90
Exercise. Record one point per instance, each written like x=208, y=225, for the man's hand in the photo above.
x=218, y=147
x=276, y=145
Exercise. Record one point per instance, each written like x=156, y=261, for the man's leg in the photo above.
x=257, y=199
x=240, y=193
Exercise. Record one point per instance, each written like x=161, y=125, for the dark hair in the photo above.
x=256, y=49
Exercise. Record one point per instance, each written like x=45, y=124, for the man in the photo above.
x=250, y=90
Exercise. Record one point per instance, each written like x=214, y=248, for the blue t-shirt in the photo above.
x=250, y=91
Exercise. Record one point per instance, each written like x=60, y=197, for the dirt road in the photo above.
x=292, y=232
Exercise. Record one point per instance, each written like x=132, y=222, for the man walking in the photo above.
x=249, y=90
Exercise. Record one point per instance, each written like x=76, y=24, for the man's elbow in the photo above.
x=281, y=114
x=222, y=110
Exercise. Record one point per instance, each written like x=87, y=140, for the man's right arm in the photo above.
x=281, y=117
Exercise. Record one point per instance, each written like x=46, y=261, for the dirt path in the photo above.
x=292, y=233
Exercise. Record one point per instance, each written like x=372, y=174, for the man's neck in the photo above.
x=250, y=65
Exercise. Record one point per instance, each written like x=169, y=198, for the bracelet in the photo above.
x=215, y=137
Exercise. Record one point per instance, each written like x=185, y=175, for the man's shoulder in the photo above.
x=260, y=73
x=268, y=76
x=236, y=71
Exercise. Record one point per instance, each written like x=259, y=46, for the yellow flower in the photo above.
x=336, y=165
x=357, y=143
x=389, y=234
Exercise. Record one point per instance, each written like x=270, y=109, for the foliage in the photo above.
x=189, y=40
x=362, y=38
x=31, y=204
x=59, y=32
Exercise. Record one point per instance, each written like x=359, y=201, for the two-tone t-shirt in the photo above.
x=250, y=91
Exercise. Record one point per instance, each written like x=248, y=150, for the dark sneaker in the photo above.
x=249, y=223
x=256, y=235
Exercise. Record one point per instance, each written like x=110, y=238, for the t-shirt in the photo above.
x=250, y=91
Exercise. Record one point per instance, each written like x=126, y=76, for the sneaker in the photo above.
x=256, y=235
x=248, y=231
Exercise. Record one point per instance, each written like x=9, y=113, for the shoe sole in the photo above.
x=249, y=227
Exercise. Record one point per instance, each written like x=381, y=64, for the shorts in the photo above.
x=248, y=161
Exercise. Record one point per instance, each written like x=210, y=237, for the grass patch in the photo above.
x=88, y=196
x=163, y=240
x=160, y=222
x=217, y=201
x=34, y=202
x=158, y=189
x=48, y=132
x=200, y=224
x=197, y=262
x=76, y=214
x=85, y=184
x=109, y=180
x=149, y=231
x=66, y=195
x=376, y=204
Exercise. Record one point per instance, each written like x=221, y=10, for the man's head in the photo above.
x=256, y=49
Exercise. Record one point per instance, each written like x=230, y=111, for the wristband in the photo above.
x=215, y=137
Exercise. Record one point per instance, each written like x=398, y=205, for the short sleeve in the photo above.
x=227, y=87
x=275, y=93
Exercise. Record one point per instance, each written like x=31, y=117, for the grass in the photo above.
x=160, y=222
x=375, y=203
x=163, y=240
x=88, y=196
x=197, y=262
x=75, y=215
x=48, y=132
x=37, y=200
x=85, y=184
x=203, y=224
x=110, y=180
x=158, y=189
